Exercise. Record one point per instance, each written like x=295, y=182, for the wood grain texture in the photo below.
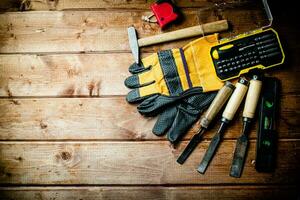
x=73, y=53
x=134, y=163
x=70, y=75
x=149, y=193
x=100, y=31
x=95, y=4
x=106, y=119
x=64, y=75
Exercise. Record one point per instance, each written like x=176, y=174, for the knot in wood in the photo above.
x=65, y=155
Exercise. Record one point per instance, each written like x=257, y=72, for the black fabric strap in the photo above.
x=186, y=70
x=170, y=72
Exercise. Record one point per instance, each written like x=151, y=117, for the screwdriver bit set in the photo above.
x=258, y=49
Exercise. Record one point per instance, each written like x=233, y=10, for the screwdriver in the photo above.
x=221, y=98
x=248, y=114
x=228, y=114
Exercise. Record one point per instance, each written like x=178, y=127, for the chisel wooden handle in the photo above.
x=235, y=99
x=203, y=29
x=240, y=151
x=215, y=107
x=252, y=97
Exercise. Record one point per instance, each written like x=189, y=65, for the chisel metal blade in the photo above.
x=190, y=147
x=228, y=114
x=239, y=156
x=209, y=153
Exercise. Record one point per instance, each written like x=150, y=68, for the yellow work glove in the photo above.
x=175, y=73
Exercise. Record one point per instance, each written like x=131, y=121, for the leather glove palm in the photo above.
x=176, y=119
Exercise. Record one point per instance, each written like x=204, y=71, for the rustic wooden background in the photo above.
x=67, y=132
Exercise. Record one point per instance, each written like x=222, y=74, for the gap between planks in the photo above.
x=115, y=141
x=121, y=96
x=152, y=192
x=141, y=186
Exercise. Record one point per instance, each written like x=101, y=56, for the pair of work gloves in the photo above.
x=177, y=84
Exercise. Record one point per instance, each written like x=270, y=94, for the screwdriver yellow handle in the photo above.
x=235, y=99
x=218, y=102
x=252, y=97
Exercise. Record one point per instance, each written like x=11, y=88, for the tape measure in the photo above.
x=164, y=11
x=235, y=56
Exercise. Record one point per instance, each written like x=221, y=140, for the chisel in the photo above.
x=248, y=114
x=219, y=101
x=228, y=114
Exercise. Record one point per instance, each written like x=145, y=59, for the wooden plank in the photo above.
x=148, y=192
x=69, y=75
x=64, y=75
x=98, y=31
x=105, y=119
x=134, y=163
x=94, y=4
x=84, y=75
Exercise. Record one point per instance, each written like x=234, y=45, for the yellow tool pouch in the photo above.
x=172, y=72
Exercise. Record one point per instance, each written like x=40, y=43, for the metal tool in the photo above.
x=266, y=134
x=203, y=29
x=217, y=104
x=248, y=114
x=228, y=114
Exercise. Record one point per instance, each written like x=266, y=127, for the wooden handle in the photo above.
x=212, y=27
x=235, y=99
x=252, y=98
x=219, y=101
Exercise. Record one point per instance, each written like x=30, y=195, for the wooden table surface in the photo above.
x=66, y=131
